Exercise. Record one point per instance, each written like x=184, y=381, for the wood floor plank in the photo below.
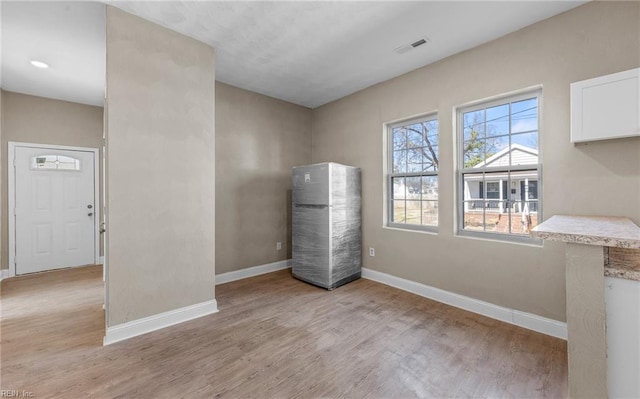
x=274, y=337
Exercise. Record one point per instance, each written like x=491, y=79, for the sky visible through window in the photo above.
x=487, y=131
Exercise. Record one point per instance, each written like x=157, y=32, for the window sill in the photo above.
x=500, y=238
x=417, y=229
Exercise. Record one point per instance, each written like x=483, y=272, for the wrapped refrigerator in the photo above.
x=327, y=249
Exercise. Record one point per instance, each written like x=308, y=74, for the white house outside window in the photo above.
x=413, y=173
x=499, y=167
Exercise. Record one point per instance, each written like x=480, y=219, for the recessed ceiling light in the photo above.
x=39, y=64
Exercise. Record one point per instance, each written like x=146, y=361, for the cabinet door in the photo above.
x=606, y=107
x=622, y=299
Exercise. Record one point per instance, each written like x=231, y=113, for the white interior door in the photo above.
x=54, y=209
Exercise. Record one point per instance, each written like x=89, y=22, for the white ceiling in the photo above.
x=305, y=52
x=70, y=37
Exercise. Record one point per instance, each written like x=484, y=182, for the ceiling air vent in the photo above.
x=407, y=47
x=418, y=43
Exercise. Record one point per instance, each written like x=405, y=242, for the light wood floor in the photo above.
x=274, y=337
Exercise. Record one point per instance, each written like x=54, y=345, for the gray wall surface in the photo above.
x=160, y=169
x=31, y=119
x=599, y=178
x=258, y=140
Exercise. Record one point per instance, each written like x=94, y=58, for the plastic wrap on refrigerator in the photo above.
x=326, y=237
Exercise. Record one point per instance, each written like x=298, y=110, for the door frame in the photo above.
x=11, y=171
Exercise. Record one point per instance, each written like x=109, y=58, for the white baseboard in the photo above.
x=4, y=273
x=252, y=271
x=147, y=324
x=526, y=320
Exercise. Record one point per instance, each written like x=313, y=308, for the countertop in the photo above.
x=606, y=231
x=620, y=237
x=622, y=263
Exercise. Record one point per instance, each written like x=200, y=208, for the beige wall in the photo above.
x=258, y=140
x=600, y=178
x=160, y=169
x=2, y=200
x=40, y=120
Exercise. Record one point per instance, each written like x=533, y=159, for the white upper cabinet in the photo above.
x=606, y=107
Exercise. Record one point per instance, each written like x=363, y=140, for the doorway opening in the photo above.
x=54, y=207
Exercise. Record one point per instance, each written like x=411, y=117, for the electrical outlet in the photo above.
x=278, y=245
x=372, y=251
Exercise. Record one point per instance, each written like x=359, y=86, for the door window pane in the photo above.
x=55, y=162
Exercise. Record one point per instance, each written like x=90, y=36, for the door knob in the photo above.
x=90, y=214
x=89, y=206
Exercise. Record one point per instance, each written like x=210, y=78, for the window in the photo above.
x=499, y=167
x=413, y=173
x=55, y=162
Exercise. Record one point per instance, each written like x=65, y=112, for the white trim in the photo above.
x=526, y=320
x=100, y=260
x=11, y=156
x=97, y=216
x=4, y=273
x=252, y=271
x=152, y=323
x=11, y=217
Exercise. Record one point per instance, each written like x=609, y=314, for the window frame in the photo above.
x=390, y=175
x=461, y=171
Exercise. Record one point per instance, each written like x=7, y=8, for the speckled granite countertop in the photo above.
x=590, y=230
x=620, y=237
x=622, y=263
